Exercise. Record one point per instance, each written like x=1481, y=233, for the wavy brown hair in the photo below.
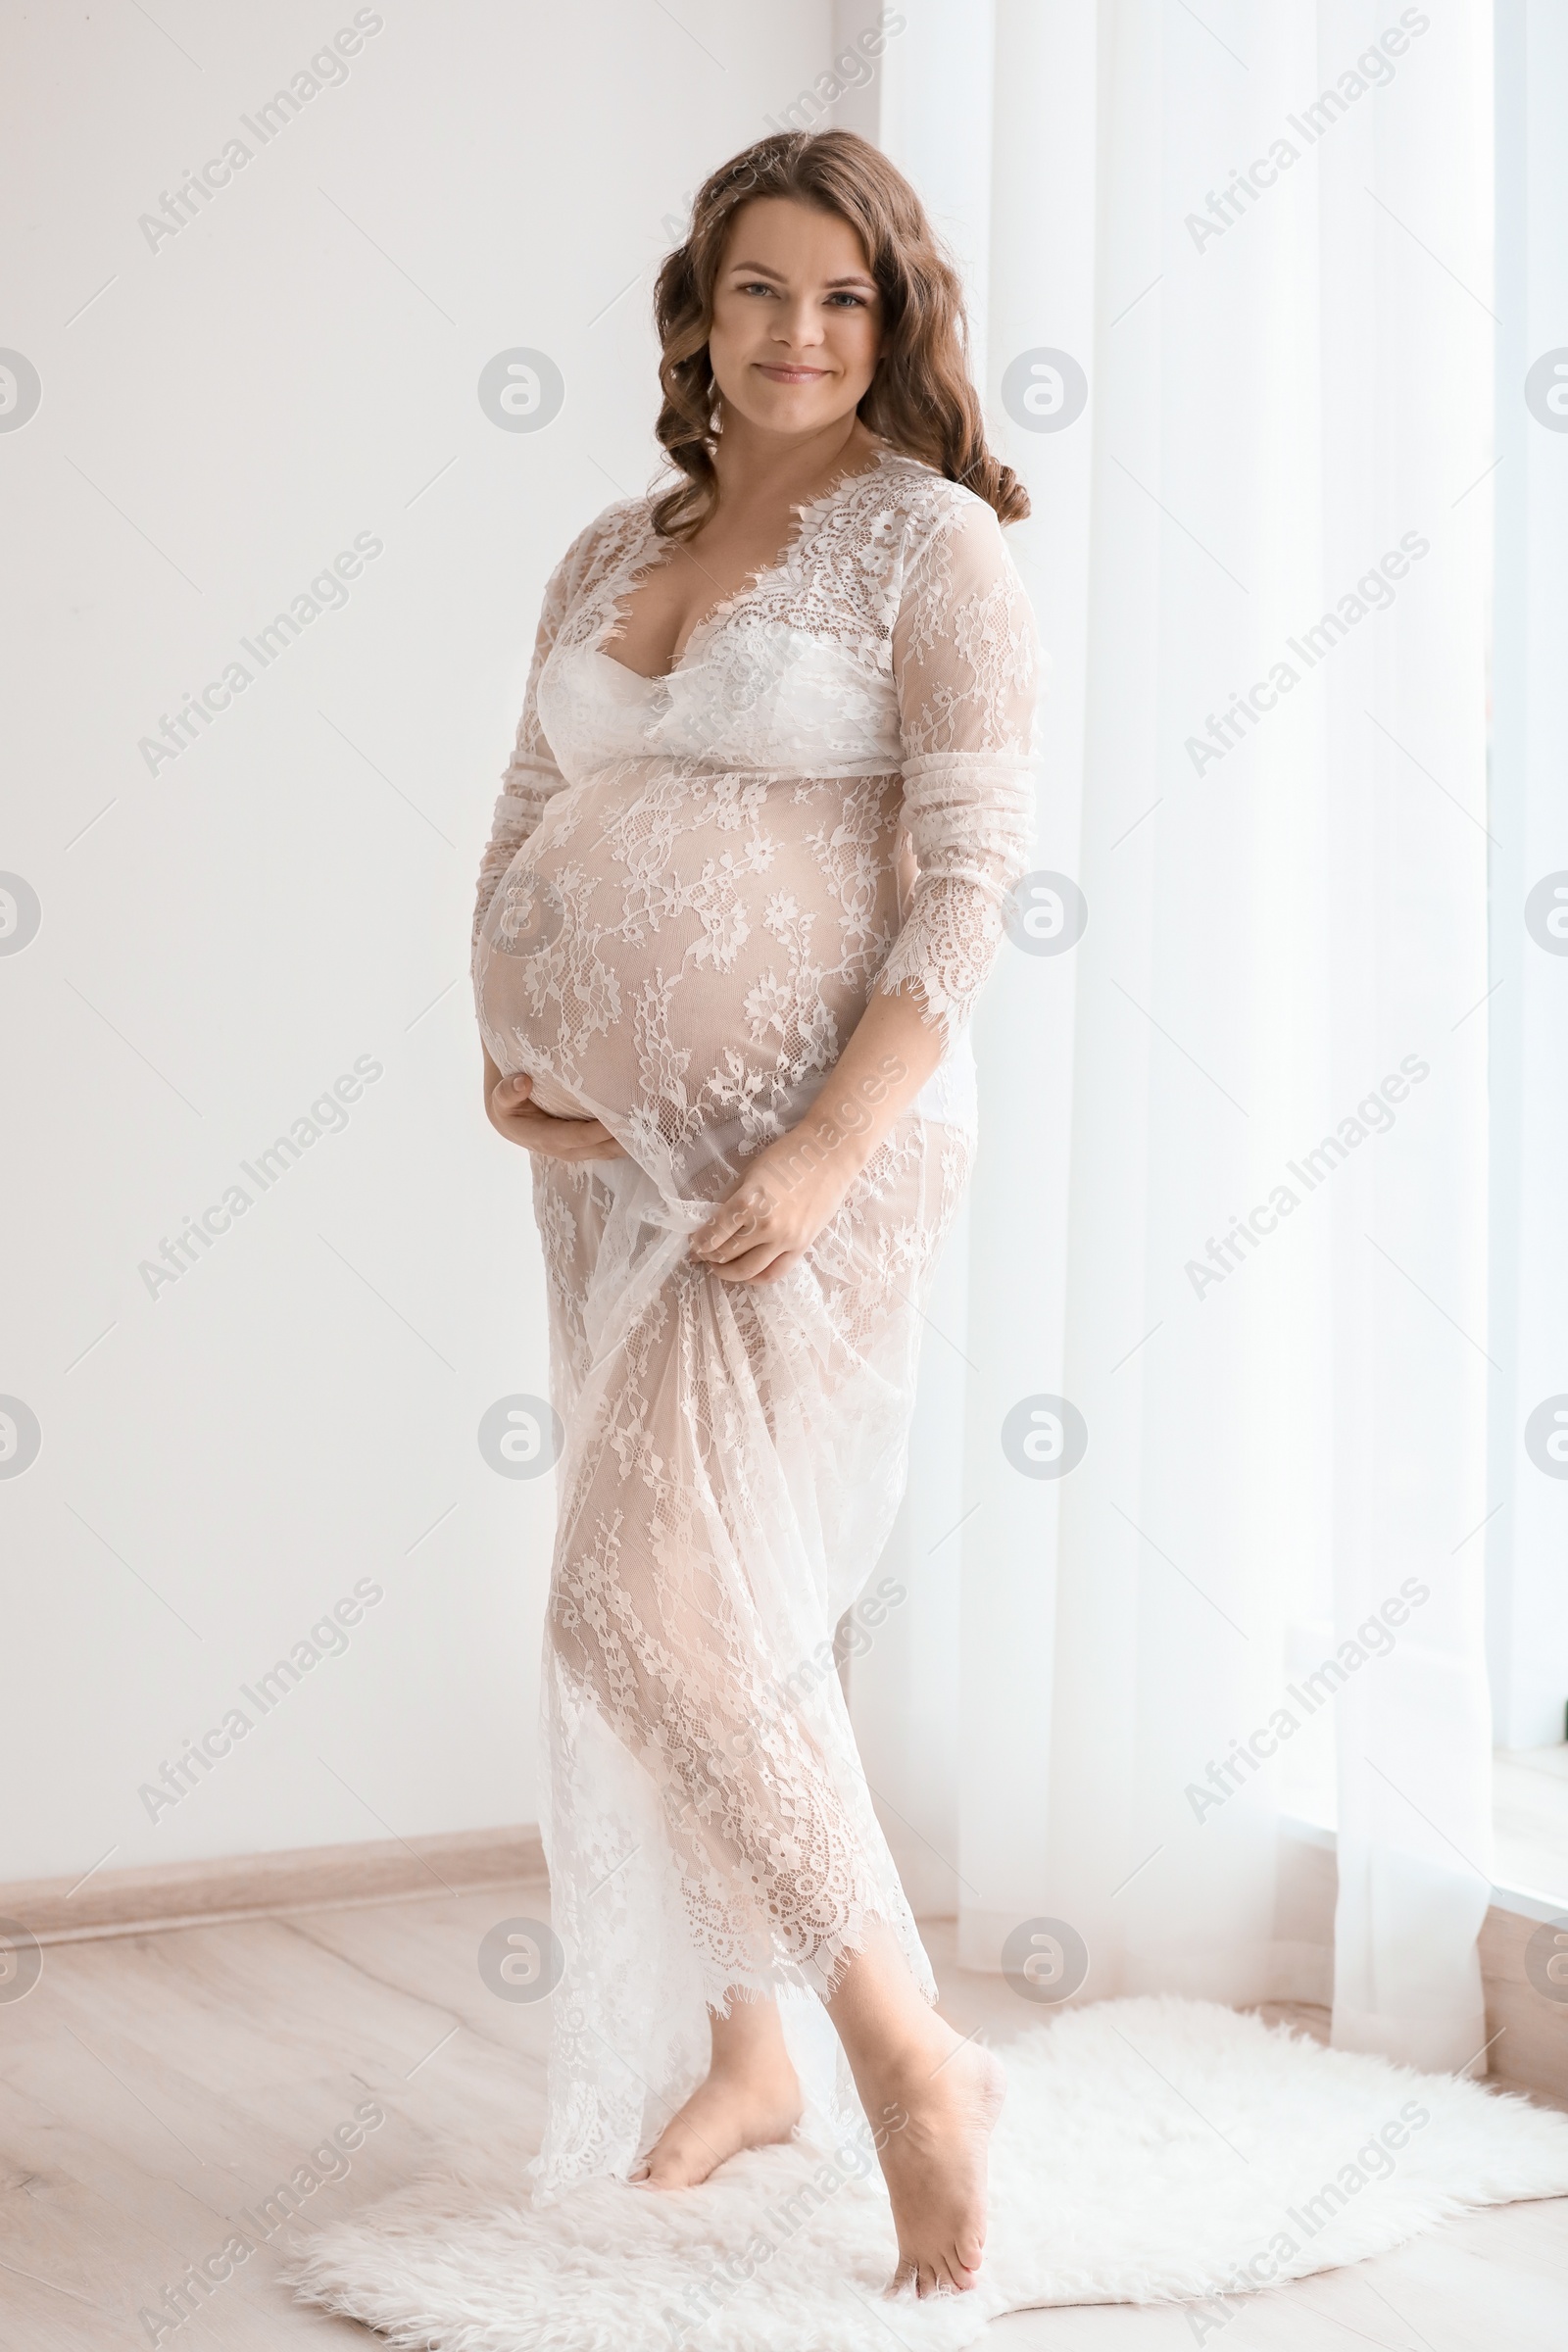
x=920, y=400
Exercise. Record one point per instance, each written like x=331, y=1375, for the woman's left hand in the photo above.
x=794, y=1188
x=788, y=1193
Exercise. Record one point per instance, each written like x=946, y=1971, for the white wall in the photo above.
x=222, y=411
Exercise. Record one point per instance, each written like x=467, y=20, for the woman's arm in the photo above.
x=965, y=659
x=530, y=778
x=793, y=1188
x=531, y=773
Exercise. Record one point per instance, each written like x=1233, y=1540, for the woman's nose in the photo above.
x=799, y=324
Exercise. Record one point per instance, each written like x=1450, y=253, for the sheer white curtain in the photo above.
x=1528, y=1536
x=1231, y=1205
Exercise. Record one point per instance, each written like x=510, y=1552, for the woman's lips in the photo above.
x=790, y=375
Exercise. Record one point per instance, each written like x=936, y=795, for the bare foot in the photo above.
x=949, y=2094
x=748, y=2103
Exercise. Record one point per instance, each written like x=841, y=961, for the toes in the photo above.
x=945, y=2274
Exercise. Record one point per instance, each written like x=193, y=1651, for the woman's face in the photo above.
x=797, y=317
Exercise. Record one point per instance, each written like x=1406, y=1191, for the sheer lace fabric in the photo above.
x=692, y=885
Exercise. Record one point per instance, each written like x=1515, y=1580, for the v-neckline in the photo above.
x=807, y=512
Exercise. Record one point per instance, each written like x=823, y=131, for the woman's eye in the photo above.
x=857, y=302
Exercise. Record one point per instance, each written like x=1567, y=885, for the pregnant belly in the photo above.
x=684, y=955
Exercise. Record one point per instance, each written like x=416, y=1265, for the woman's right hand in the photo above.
x=511, y=1113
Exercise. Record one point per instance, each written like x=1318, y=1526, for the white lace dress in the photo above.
x=692, y=885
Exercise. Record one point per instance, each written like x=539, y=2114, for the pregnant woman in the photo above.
x=771, y=788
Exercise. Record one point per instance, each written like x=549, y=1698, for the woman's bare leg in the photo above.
x=932, y=2101
x=750, y=2100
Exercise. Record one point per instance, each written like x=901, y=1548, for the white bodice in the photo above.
x=760, y=695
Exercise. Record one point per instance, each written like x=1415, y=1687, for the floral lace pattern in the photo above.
x=692, y=887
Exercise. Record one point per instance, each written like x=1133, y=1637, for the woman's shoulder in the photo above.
x=923, y=490
x=928, y=506
x=600, y=545
x=940, y=534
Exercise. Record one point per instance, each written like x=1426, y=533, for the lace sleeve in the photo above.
x=967, y=659
x=531, y=775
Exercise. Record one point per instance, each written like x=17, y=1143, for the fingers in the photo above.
x=767, y=1263
x=553, y=1146
x=781, y=1266
x=743, y=1247
x=509, y=1096
x=737, y=1225
x=746, y=1239
x=521, y=1121
x=568, y=1139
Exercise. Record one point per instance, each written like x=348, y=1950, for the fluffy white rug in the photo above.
x=1150, y=2150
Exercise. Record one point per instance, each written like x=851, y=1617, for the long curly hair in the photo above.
x=920, y=400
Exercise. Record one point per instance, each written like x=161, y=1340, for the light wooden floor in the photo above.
x=155, y=2084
